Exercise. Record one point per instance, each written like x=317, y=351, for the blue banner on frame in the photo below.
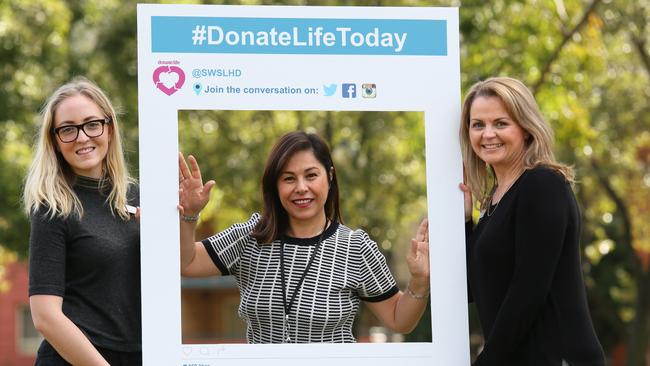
x=407, y=37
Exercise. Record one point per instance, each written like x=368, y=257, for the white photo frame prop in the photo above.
x=298, y=58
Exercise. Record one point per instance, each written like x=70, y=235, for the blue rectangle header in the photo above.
x=173, y=34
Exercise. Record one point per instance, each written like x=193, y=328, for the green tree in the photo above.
x=579, y=59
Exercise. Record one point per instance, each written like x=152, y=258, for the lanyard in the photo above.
x=285, y=305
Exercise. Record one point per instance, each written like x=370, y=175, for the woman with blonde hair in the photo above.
x=523, y=255
x=84, y=248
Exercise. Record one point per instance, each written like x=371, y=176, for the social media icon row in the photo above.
x=349, y=90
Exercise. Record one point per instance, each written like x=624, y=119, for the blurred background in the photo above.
x=379, y=160
x=587, y=62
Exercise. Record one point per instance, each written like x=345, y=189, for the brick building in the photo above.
x=19, y=339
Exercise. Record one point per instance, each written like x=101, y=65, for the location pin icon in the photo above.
x=197, y=88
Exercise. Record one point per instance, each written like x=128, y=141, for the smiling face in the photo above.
x=85, y=155
x=494, y=135
x=303, y=186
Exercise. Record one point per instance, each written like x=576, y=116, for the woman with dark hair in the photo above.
x=300, y=271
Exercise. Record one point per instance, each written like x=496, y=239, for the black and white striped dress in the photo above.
x=348, y=268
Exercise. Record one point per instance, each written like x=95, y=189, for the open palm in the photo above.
x=417, y=257
x=193, y=195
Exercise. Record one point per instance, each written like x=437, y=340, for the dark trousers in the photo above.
x=47, y=356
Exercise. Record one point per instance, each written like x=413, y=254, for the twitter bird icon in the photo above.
x=329, y=90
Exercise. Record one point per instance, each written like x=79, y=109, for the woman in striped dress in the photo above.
x=301, y=273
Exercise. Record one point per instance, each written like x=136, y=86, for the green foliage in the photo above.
x=31, y=63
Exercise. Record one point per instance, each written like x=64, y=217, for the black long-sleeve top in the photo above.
x=525, y=277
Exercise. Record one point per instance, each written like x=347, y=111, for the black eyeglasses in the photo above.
x=69, y=133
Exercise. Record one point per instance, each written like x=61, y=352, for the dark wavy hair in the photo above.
x=275, y=220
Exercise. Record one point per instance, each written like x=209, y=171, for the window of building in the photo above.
x=27, y=337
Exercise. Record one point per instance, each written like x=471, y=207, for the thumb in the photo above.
x=208, y=186
x=467, y=198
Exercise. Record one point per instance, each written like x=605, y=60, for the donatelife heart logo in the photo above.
x=169, y=79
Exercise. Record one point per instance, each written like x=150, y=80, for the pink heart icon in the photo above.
x=173, y=78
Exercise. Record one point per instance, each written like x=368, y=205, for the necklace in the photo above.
x=287, y=305
x=487, y=210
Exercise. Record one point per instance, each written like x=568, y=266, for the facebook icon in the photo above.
x=349, y=91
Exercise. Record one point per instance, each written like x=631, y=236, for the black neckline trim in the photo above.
x=99, y=185
x=313, y=240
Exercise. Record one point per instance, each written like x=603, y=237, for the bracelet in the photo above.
x=194, y=218
x=416, y=296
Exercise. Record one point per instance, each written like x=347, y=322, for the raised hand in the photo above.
x=193, y=195
x=417, y=257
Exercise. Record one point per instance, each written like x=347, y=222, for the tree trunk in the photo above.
x=567, y=36
x=640, y=334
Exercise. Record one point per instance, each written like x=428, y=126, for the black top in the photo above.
x=525, y=276
x=94, y=264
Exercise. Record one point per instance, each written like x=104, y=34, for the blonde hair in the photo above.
x=50, y=178
x=520, y=104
